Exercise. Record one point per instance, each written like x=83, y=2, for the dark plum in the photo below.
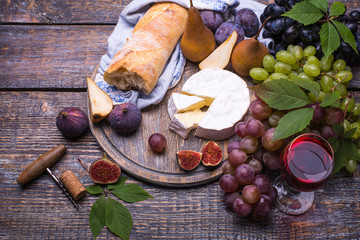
x=212, y=19
x=225, y=29
x=248, y=20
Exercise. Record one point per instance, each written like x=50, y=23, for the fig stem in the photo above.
x=257, y=34
x=124, y=110
x=83, y=164
x=104, y=154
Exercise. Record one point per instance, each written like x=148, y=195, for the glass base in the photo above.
x=291, y=201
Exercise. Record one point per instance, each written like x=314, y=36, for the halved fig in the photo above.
x=188, y=160
x=212, y=154
x=104, y=171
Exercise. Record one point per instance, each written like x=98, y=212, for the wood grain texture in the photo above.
x=40, y=210
x=41, y=57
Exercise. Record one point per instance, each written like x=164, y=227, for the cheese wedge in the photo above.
x=183, y=123
x=179, y=103
x=228, y=97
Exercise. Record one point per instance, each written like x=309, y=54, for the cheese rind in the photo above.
x=209, y=83
x=179, y=103
x=183, y=123
x=220, y=119
x=228, y=97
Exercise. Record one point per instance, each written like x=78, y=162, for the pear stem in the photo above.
x=191, y=4
x=257, y=34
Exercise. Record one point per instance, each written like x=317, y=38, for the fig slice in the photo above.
x=211, y=154
x=188, y=160
x=104, y=171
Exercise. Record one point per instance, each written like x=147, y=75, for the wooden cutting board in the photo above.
x=135, y=157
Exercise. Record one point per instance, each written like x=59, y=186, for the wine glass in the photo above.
x=306, y=164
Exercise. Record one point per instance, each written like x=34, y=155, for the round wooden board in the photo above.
x=135, y=157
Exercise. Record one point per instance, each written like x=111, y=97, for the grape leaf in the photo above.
x=293, y=122
x=337, y=8
x=97, y=216
x=339, y=158
x=338, y=129
x=305, y=13
x=330, y=39
x=334, y=142
x=94, y=189
x=118, y=219
x=346, y=34
x=130, y=193
x=121, y=181
x=349, y=133
x=350, y=149
x=281, y=94
x=320, y=4
x=330, y=98
x=309, y=85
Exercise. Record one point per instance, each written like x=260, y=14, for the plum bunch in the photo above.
x=246, y=24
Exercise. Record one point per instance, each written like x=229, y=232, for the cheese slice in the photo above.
x=179, y=103
x=183, y=123
x=209, y=83
x=228, y=97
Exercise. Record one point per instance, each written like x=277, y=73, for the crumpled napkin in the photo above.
x=173, y=69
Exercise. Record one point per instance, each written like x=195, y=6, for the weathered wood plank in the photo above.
x=50, y=56
x=40, y=210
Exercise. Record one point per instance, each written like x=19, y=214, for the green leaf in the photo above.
x=349, y=133
x=320, y=4
x=307, y=84
x=350, y=149
x=330, y=98
x=339, y=158
x=346, y=34
x=131, y=193
x=334, y=142
x=330, y=39
x=337, y=8
x=338, y=129
x=293, y=122
x=94, y=189
x=118, y=219
x=97, y=216
x=305, y=13
x=281, y=94
x=121, y=181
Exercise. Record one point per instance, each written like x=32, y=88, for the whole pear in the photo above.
x=248, y=54
x=197, y=41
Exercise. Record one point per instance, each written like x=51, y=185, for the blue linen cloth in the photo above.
x=173, y=69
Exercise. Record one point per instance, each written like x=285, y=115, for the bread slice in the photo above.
x=142, y=59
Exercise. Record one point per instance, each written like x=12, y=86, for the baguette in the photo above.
x=142, y=59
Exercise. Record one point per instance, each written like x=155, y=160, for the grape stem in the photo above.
x=336, y=78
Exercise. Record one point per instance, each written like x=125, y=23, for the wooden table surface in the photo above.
x=47, y=48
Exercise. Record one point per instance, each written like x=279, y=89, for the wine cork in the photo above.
x=73, y=185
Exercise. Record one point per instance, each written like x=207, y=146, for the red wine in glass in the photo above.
x=306, y=164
